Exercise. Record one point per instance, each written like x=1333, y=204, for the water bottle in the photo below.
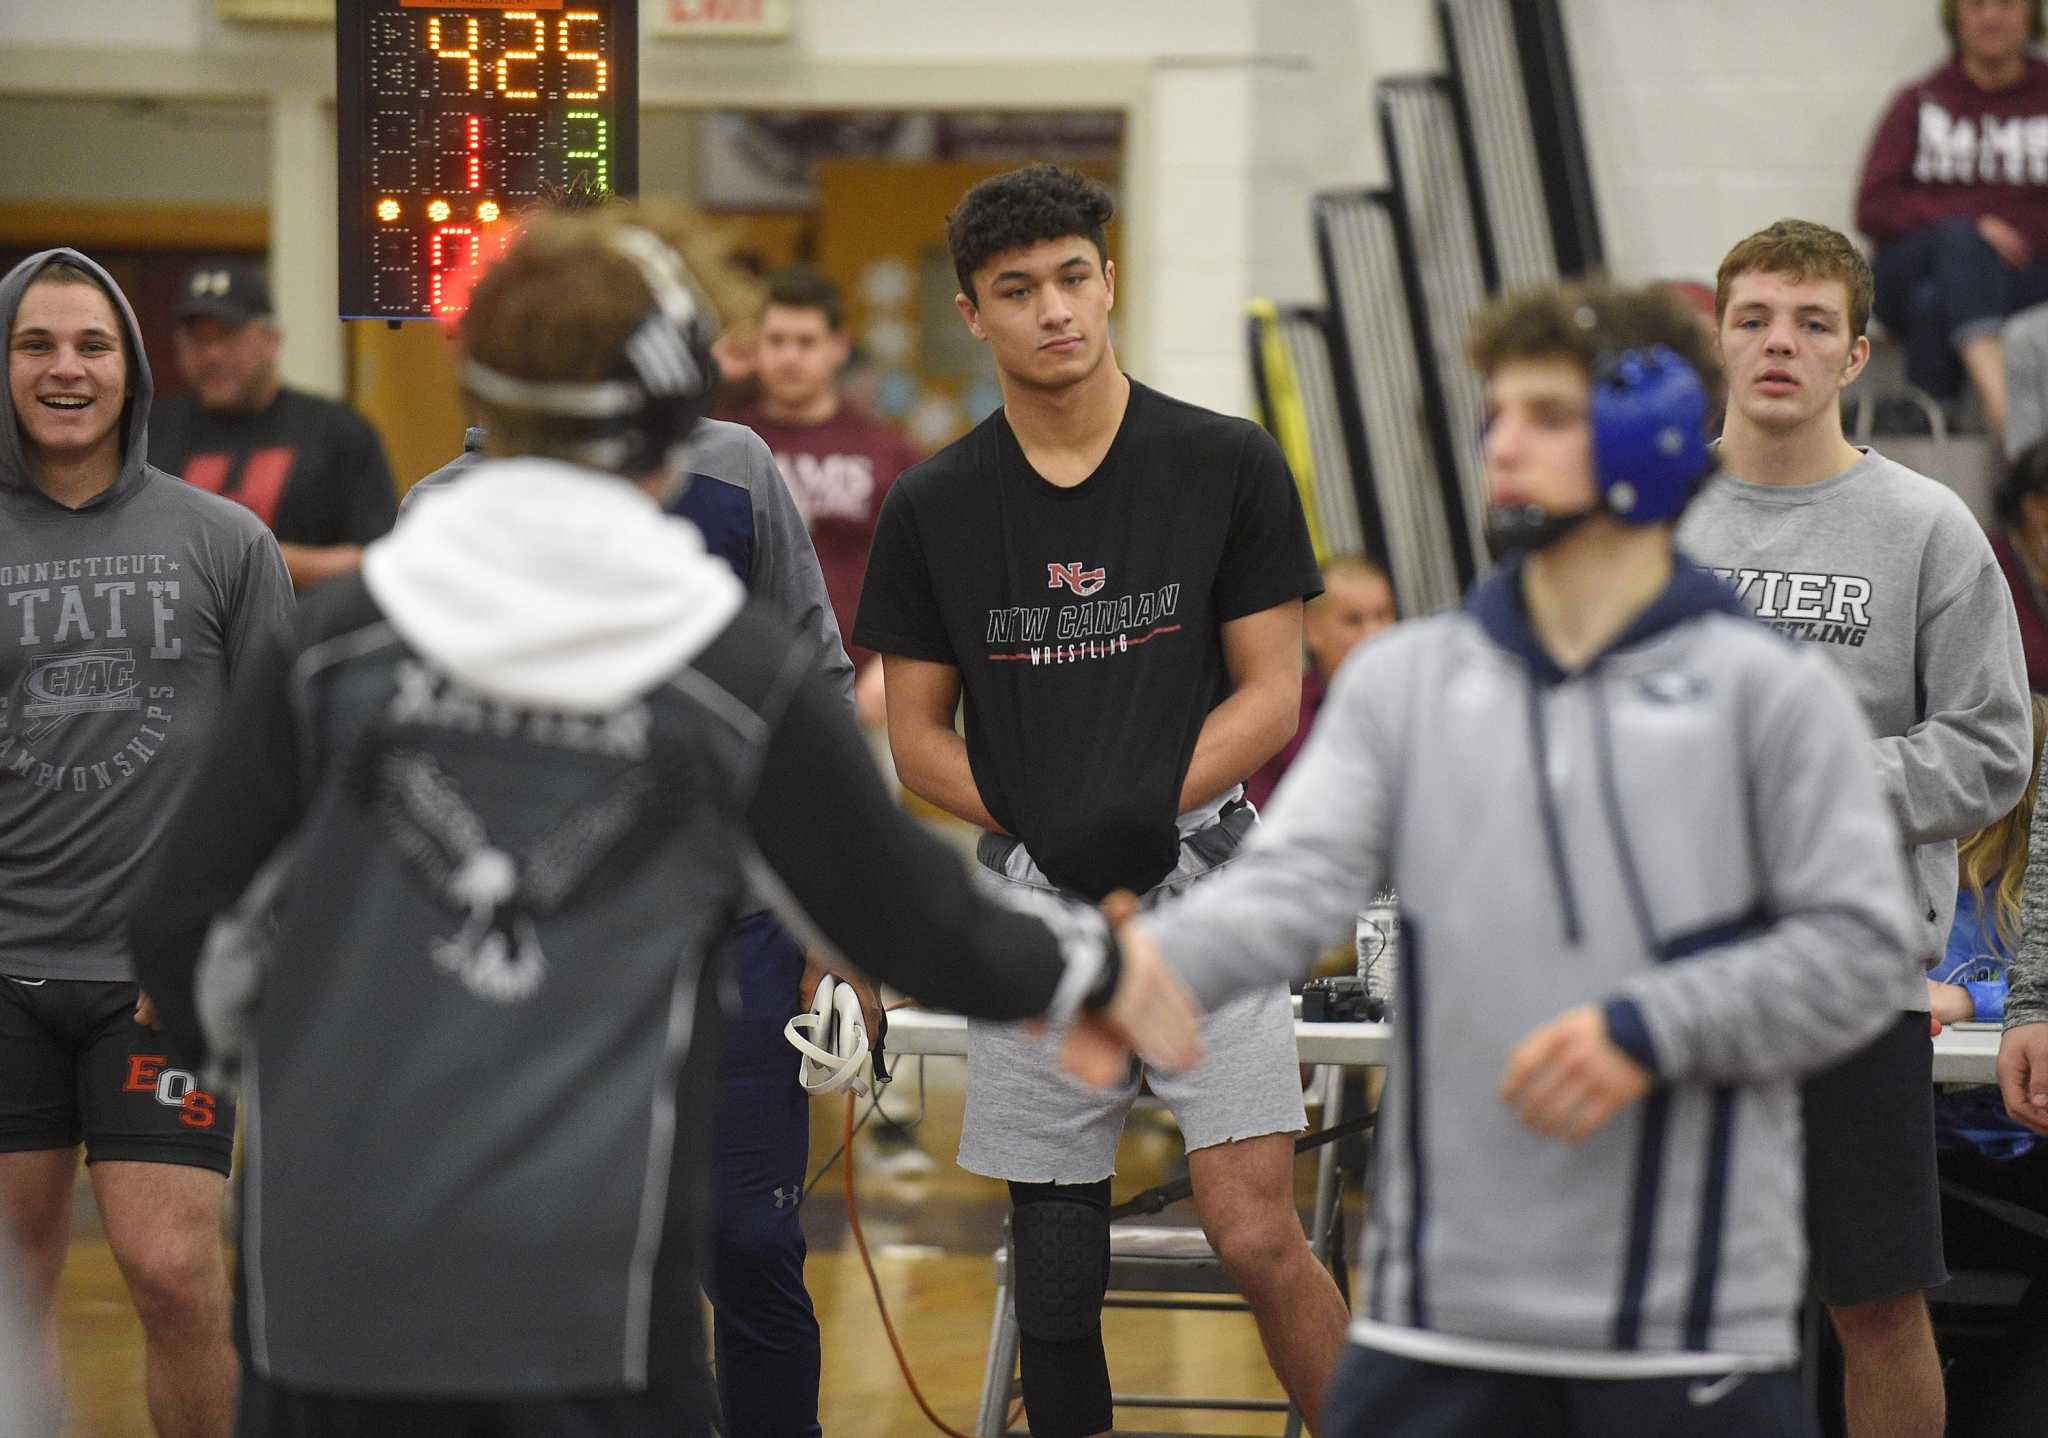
x=1379, y=948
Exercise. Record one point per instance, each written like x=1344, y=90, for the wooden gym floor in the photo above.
x=931, y=1237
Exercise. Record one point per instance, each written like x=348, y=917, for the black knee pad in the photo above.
x=1060, y=1236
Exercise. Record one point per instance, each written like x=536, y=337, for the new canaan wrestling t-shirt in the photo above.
x=1085, y=621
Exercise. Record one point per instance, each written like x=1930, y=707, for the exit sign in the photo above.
x=722, y=19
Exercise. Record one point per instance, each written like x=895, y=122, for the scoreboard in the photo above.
x=454, y=115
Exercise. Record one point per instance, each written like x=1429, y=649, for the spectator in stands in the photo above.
x=1953, y=198
x=311, y=469
x=2020, y=540
x=1357, y=602
x=1983, y=1152
x=1970, y=983
x=838, y=460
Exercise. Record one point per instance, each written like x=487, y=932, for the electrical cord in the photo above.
x=875, y=1283
x=874, y=1110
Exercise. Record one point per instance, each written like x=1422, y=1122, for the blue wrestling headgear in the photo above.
x=659, y=384
x=1649, y=435
x=1649, y=418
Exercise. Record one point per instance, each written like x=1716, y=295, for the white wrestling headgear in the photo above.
x=833, y=1039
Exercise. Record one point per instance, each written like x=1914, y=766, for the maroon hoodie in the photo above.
x=1947, y=149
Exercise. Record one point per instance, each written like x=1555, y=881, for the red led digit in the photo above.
x=449, y=291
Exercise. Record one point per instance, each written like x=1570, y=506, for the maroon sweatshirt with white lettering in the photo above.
x=1947, y=149
x=839, y=471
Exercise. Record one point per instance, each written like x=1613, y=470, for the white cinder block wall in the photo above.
x=1703, y=122
x=1706, y=122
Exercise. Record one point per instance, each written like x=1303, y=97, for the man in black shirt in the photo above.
x=311, y=469
x=1114, y=579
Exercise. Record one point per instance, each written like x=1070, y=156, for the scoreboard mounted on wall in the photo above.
x=455, y=115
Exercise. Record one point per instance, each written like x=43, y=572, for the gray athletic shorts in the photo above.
x=1027, y=1122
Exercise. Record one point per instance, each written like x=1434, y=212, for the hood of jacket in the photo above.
x=14, y=473
x=543, y=583
x=1501, y=607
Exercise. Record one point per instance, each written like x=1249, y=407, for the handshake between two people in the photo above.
x=1565, y=1080
x=1150, y=1016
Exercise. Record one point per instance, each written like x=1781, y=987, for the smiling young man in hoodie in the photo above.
x=535, y=754
x=1646, y=882
x=128, y=600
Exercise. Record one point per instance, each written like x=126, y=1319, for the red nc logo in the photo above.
x=1081, y=581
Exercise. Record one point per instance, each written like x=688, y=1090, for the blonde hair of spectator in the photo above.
x=1591, y=323
x=1997, y=854
x=1802, y=250
x=562, y=300
x=1354, y=564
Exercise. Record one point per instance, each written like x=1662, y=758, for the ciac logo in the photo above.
x=173, y=1088
x=1082, y=581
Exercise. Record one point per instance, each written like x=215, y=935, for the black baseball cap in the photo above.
x=232, y=292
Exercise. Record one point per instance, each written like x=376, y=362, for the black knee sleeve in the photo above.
x=1060, y=1232
x=1059, y=1236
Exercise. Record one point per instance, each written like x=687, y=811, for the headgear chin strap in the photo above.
x=1526, y=528
x=1650, y=452
x=657, y=386
x=833, y=1039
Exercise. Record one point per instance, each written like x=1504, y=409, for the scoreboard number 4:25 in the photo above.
x=456, y=114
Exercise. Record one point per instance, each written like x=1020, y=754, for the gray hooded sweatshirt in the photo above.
x=1886, y=572
x=121, y=623
x=1686, y=833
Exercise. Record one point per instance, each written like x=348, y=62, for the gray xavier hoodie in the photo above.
x=121, y=623
x=1887, y=573
x=1686, y=832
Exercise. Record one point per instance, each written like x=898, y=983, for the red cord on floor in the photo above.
x=881, y=1304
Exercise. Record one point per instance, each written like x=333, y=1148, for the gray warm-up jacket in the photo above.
x=1685, y=833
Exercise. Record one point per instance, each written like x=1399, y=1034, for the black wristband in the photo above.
x=1098, y=997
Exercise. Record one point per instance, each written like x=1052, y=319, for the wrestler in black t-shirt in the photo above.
x=311, y=469
x=1085, y=621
